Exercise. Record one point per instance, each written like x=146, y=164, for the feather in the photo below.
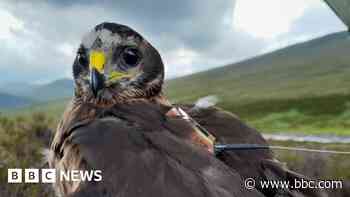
x=206, y=102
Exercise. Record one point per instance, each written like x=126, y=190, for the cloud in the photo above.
x=267, y=19
x=39, y=38
x=316, y=20
x=9, y=25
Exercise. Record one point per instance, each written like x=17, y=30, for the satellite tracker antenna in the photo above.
x=342, y=9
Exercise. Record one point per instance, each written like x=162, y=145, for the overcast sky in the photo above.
x=39, y=38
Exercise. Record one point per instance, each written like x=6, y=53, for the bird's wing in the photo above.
x=257, y=164
x=139, y=156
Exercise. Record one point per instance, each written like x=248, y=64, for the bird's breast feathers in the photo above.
x=147, y=115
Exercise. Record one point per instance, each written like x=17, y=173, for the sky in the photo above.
x=39, y=38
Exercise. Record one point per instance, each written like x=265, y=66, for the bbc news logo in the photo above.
x=31, y=175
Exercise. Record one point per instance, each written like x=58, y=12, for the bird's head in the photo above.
x=114, y=63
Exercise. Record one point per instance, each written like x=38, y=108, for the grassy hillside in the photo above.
x=302, y=87
x=315, y=68
x=58, y=89
x=17, y=89
x=10, y=101
x=53, y=109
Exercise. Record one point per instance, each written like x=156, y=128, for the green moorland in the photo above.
x=22, y=140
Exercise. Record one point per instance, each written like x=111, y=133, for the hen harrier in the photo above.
x=120, y=122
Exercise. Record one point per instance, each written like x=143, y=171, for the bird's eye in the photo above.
x=131, y=57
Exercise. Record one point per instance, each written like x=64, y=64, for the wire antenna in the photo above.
x=219, y=148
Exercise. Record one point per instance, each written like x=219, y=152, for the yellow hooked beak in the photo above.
x=97, y=79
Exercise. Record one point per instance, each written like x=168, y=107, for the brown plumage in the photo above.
x=140, y=154
x=124, y=130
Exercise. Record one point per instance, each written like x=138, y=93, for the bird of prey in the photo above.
x=120, y=122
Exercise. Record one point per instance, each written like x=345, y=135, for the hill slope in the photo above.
x=17, y=89
x=304, y=87
x=10, y=101
x=315, y=68
x=58, y=89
